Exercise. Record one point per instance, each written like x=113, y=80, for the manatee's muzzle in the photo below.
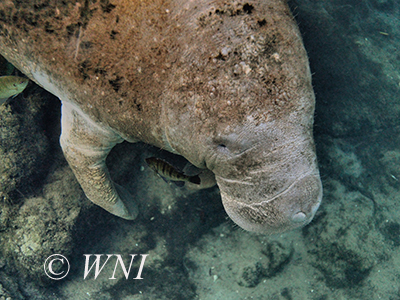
x=290, y=209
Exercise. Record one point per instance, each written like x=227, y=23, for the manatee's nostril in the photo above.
x=299, y=217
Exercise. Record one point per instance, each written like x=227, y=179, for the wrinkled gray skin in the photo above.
x=226, y=84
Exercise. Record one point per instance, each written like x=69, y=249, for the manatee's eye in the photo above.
x=231, y=145
x=223, y=148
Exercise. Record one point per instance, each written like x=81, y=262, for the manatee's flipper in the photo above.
x=86, y=145
x=203, y=180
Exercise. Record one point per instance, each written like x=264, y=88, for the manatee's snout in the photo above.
x=293, y=207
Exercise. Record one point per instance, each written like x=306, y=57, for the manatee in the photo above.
x=225, y=84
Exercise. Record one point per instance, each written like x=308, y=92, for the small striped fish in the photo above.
x=167, y=171
x=11, y=86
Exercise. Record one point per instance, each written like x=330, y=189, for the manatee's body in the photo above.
x=226, y=84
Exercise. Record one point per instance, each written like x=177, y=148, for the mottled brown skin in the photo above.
x=226, y=84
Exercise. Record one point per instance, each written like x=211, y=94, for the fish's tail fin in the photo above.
x=195, y=179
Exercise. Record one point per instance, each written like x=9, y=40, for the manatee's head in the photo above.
x=266, y=171
x=268, y=176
